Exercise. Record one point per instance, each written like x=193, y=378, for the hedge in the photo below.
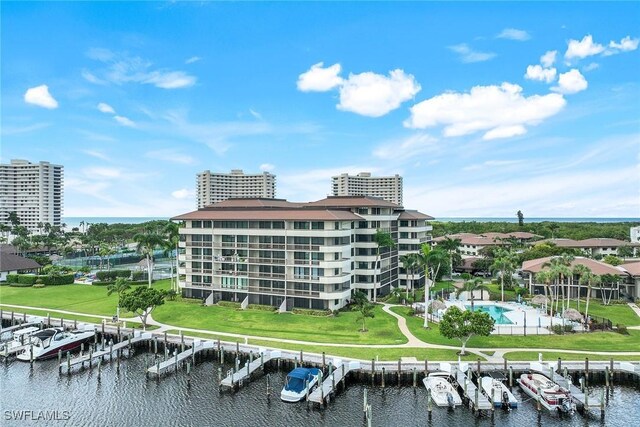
x=106, y=276
x=261, y=307
x=20, y=285
x=229, y=304
x=139, y=275
x=32, y=279
x=137, y=283
x=309, y=312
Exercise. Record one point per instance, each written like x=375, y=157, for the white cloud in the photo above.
x=571, y=82
x=493, y=164
x=183, y=193
x=255, y=114
x=122, y=68
x=583, y=48
x=536, y=72
x=17, y=130
x=590, y=67
x=627, y=44
x=192, y=60
x=106, y=108
x=514, y=34
x=124, y=121
x=97, y=154
x=102, y=172
x=41, y=97
x=499, y=111
x=549, y=58
x=319, y=79
x=375, y=95
x=173, y=156
x=169, y=79
x=267, y=167
x=468, y=55
x=407, y=148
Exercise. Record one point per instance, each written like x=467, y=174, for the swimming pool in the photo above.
x=496, y=313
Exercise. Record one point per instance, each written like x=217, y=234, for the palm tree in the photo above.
x=171, y=230
x=382, y=239
x=546, y=277
x=553, y=227
x=503, y=262
x=451, y=246
x=147, y=242
x=471, y=286
x=591, y=280
x=409, y=262
x=560, y=266
x=579, y=270
x=423, y=261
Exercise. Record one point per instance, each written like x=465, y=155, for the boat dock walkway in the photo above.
x=110, y=351
x=477, y=400
x=338, y=371
x=582, y=398
x=175, y=361
x=249, y=368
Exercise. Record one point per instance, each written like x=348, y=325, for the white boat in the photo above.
x=550, y=394
x=20, y=340
x=502, y=396
x=443, y=392
x=298, y=382
x=46, y=343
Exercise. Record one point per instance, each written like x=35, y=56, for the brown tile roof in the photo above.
x=597, y=267
x=254, y=203
x=413, y=214
x=270, y=215
x=563, y=243
x=353, y=202
x=487, y=239
x=13, y=262
x=632, y=267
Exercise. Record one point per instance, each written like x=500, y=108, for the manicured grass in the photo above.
x=79, y=298
x=368, y=353
x=553, y=356
x=344, y=328
x=617, y=313
x=596, y=341
x=55, y=317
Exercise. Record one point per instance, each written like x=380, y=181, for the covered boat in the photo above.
x=550, y=394
x=500, y=393
x=297, y=383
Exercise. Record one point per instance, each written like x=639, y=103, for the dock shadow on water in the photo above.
x=42, y=397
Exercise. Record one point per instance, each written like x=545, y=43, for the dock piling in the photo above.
x=323, y=361
x=364, y=405
x=100, y=369
x=301, y=358
x=510, y=376
x=415, y=377
x=383, y=374
x=59, y=361
x=68, y=363
x=399, y=371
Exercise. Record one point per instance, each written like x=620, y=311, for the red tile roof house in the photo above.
x=471, y=244
x=595, y=247
x=572, y=285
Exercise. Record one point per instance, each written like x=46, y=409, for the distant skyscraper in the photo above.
x=388, y=188
x=34, y=191
x=216, y=187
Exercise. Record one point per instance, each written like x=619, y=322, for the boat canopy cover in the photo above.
x=302, y=373
x=296, y=379
x=47, y=333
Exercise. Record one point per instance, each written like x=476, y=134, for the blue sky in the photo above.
x=483, y=108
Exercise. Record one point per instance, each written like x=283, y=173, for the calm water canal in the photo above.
x=129, y=399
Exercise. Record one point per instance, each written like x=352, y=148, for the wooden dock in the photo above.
x=339, y=371
x=177, y=359
x=477, y=400
x=245, y=372
x=581, y=398
x=110, y=351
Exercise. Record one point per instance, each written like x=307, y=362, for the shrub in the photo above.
x=138, y=275
x=309, y=312
x=12, y=278
x=229, y=304
x=562, y=329
x=621, y=329
x=261, y=307
x=122, y=273
x=39, y=285
x=27, y=279
x=21, y=285
x=64, y=279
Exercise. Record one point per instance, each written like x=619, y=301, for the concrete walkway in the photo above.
x=413, y=341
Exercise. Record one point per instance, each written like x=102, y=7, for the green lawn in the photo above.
x=553, y=356
x=79, y=298
x=382, y=329
x=597, y=341
x=617, y=313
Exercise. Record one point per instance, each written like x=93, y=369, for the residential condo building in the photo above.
x=296, y=255
x=216, y=187
x=388, y=188
x=34, y=191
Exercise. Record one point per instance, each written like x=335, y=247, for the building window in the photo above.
x=301, y=225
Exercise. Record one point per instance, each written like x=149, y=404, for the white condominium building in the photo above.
x=34, y=191
x=388, y=188
x=216, y=187
x=295, y=255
